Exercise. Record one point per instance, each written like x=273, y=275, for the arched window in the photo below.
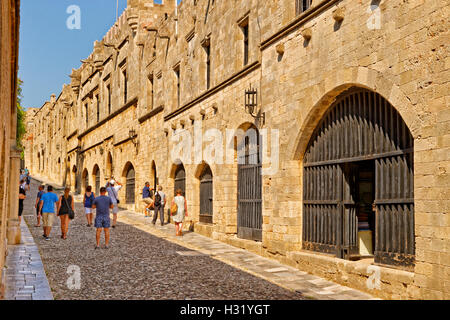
x=130, y=185
x=250, y=187
x=154, y=175
x=96, y=175
x=358, y=192
x=180, y=179
x=85, y=179
x=206, y=195
x=109, y=166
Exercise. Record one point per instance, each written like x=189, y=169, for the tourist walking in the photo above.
x=102, y=204
x=159, y=203
x=146, y=199
x=47, y=206
x=89, y=197
x=66, y=210
x=38, y=199
x=180, y=213
x=28, y=180
x=22, y=197
x=113, y=193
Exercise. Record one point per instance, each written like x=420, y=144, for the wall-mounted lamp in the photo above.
x=133, y=135
x=251, y=104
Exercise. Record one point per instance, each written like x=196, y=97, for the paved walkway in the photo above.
x=209, y=269
x=25, y=275
x=138, y=266
x=285, y=276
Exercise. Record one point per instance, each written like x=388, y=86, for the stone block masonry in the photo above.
x=157, y=74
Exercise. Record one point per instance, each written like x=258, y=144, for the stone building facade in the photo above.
x=342, y=105
x=9, y=156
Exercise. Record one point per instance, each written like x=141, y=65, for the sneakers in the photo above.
x=47, y=238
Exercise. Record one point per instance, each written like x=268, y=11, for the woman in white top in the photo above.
x=181, y=213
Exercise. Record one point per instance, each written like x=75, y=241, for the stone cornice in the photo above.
x=300, y=20
x=72, y=134
x=251, y=67
x=112, y=115
x=91, y=147
x=151, y=114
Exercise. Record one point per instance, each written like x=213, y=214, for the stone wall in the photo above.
x=9, y=23
x=298, y=64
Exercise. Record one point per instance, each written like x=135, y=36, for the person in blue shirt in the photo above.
x=48, y=210
x=147, y=199
x=38, y=200
x=102, y=204
x=89, y=197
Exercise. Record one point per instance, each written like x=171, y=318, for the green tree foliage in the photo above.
x=21, y=126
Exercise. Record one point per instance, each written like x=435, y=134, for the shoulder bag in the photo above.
x=71, y=213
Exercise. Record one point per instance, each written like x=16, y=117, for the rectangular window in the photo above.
x=150, y=93
x=177, y=74
x=86, y=107
x=125, y=86
x=302, y=5
x=98, y=107
x=108, y=89
x=207, y=47
x=246, y=41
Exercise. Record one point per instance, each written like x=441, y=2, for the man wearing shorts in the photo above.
x=102, y=205
x=47, y=207
x=146, y=198
x=38, y=200
x=113, y=193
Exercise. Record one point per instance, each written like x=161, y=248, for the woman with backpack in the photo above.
x=66, y=211
x=180, y=204
x=89, y=198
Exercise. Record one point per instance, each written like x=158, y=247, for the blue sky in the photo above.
x=48, y=50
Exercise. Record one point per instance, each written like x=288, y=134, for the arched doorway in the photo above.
x=74, y=178
x=130, y=184
x=85, y=177
x=358, y=192
x=96, y=176
x=250, y=186
x=180, y=179
x=109, y=166
x=154, y=175
x=206, y=195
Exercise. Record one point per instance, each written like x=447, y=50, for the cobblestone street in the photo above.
x=139, y=266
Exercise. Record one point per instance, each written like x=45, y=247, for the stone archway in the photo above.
x=358, y=181
x=324, y=92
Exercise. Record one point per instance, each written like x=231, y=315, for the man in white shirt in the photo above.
x=113, y=193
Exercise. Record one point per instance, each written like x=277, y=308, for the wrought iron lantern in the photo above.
x=251, y=104
x=133, y=135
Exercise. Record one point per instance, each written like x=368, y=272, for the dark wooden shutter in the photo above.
x=250, y=190
x=206, y=196
x=131, y=185
x=180, y=180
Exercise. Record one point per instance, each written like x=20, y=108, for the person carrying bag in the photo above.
x=66, y=211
